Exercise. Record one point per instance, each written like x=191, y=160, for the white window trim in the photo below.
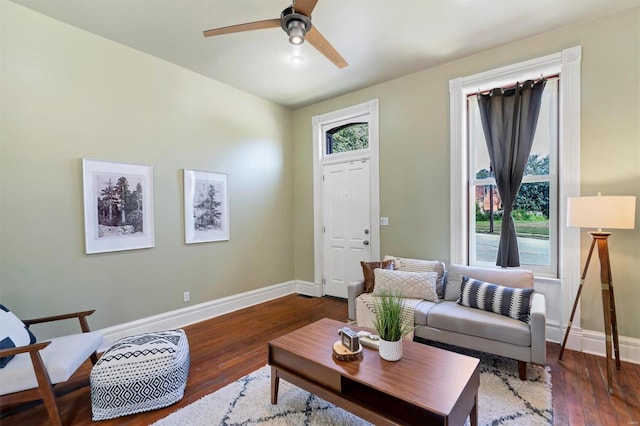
x=567, y=64
x=367, y=111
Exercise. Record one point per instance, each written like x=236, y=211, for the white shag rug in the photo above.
x=504, y=399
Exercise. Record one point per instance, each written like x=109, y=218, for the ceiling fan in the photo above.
x=295, y=20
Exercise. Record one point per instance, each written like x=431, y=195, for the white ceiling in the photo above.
x=380, y=39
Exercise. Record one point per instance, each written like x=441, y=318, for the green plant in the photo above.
x=388, y=319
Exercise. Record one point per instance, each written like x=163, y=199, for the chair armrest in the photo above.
x=22, y=349
x=80, y=315
x=44, y=388
x=538, y=329
x=353, y=291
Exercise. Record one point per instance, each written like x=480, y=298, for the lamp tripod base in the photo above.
x=608, y=304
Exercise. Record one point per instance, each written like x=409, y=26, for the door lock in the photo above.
x=366, y=232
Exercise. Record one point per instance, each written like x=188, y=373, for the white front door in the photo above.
x=347, y=224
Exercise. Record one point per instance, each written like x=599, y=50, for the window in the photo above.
x=348, y=137
x=535, y=211
x=564, y=167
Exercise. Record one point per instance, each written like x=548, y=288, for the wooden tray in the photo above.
x=341, y=353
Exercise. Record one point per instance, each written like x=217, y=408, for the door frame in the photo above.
x=367, y=109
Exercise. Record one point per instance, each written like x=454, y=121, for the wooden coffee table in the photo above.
x=428, y=386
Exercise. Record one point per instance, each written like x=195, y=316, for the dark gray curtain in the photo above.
x=509, y=118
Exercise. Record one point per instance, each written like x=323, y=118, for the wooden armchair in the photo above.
x=37, y=368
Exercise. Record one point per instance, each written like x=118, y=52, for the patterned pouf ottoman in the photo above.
x=140, y=373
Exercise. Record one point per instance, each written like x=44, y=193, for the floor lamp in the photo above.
x=611, y=212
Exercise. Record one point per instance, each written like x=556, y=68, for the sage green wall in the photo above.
x=414, y=151
x=68, y=95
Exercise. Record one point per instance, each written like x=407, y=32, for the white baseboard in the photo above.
x=308, y=288
x=593, y=343
x=196, y=313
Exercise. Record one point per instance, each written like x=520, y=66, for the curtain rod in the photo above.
x=542, y=77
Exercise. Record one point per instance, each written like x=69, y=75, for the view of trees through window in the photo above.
x=531, y=209
x=348, y=137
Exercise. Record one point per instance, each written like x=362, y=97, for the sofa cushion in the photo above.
x=367, y=272
x=508, y=301
x=413, y=285
x=422, y=311
x=519, y=278
x=475, y=322
x=419, y=265
x=13, y=333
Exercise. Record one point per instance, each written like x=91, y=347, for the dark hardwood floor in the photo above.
x=228, y=347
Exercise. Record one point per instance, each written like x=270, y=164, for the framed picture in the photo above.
x=118, y=206
x=206, y=207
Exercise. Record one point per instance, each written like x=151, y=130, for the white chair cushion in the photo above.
x=61, y=359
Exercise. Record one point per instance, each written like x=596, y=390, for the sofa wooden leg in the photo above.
x=522, y=370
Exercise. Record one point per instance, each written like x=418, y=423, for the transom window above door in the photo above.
x=348, y=137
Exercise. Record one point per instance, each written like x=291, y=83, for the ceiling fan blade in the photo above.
x=319, y=42
x=304, y=6
x=258, y=25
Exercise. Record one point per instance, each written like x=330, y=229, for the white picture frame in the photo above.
x=118, y=206
x=206, y=206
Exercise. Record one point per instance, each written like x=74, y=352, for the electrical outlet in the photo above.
x=384, y=221
x=187, y=296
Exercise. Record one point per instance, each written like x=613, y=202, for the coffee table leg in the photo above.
x=275, y=381
x=473, y=416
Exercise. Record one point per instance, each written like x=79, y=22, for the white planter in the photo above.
x=390, y=351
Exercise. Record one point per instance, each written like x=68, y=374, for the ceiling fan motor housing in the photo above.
x=296, y=25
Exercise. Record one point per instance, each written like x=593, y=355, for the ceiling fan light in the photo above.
x=296, y=30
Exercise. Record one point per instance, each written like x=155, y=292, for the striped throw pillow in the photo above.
x=507, y=301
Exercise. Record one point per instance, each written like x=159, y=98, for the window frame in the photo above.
x=552, y=178
x=339, y=157
x=566, y=63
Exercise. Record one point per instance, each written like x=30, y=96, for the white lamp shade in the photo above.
x=609, y=212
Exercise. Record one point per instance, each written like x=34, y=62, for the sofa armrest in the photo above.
x=353, y=291
x=538, y=329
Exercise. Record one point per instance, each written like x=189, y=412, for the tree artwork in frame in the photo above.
x=206, y=207
x=118, y=206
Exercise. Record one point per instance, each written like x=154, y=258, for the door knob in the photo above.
x=365, y=242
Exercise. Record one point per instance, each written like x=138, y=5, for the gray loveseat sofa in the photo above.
x=451, y=323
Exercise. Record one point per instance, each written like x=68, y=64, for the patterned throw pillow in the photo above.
x=13, y=333
x=419, y=265
x=369, y=277
x=507, y=301
x=412, y=285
